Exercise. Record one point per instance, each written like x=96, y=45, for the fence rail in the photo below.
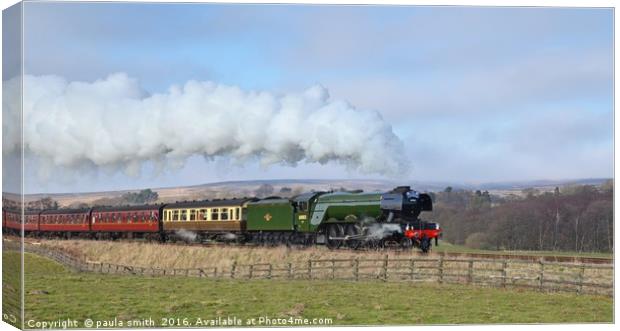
x=581, y=278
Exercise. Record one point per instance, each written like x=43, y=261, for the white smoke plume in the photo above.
x=377, y=231
x=113, y=123
x=186, y=235
x=229, y=236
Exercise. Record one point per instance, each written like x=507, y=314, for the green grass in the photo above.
x=11, y=289
x=53, y=292
x=451, y=248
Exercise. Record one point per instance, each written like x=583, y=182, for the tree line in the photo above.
x=576, y=218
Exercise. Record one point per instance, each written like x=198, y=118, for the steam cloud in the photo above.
x=187, y=235
x=113, y=123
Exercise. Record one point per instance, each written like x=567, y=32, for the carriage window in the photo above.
x=224, y=214
x=176, y=215
x=215, y=214
x=192, y=215
x=203, y=216
x=184, y=215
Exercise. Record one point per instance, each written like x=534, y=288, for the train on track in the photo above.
x=335, y=219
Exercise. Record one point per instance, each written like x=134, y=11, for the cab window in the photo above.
x=303, y=206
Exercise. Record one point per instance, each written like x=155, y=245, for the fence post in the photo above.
x=412, y=269
x=504, y=266
x=470, y=272
x=309, y=269
x=289, y=270
x=251, y=273
x=441, y=269
x=581, y=274
x=333, y=269
x=356, y=270
x=385, y=267
x=541, y=274
x=215, y=272
x=269, y=271
x=233, y=270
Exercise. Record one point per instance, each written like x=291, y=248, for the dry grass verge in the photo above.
x=180, y=256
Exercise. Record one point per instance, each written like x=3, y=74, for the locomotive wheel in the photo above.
x=334, y=231
x=406, y=243
x=425, y=245
x=272, y=239
x=264, y=238
x=277, y=239
x=353, y=230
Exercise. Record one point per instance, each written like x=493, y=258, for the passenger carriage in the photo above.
x=126, y=222
x=64, y=222
x=209, y=219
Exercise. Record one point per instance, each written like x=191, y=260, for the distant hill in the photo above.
x=289, y=187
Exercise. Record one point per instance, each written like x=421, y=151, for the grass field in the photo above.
x=11, y=285
x=450, y=248
x=52, y=293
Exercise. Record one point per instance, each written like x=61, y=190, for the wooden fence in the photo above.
x=539, y=275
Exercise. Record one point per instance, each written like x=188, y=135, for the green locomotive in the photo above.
x=336, y=219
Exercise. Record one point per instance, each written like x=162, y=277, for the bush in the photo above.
x=478, y=240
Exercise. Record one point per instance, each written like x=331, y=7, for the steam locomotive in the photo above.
x=335, y=219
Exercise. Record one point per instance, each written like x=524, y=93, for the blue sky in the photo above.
x=477, y=94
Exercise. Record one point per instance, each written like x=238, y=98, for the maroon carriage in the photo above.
x=126, y=222
x=66, y=222
x=11, y=221
x=31, y=221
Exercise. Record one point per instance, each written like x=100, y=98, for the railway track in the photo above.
x=498, y=256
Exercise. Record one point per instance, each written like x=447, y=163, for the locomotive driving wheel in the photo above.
x=333, y=236
x=425, y=245
x=353, y=230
